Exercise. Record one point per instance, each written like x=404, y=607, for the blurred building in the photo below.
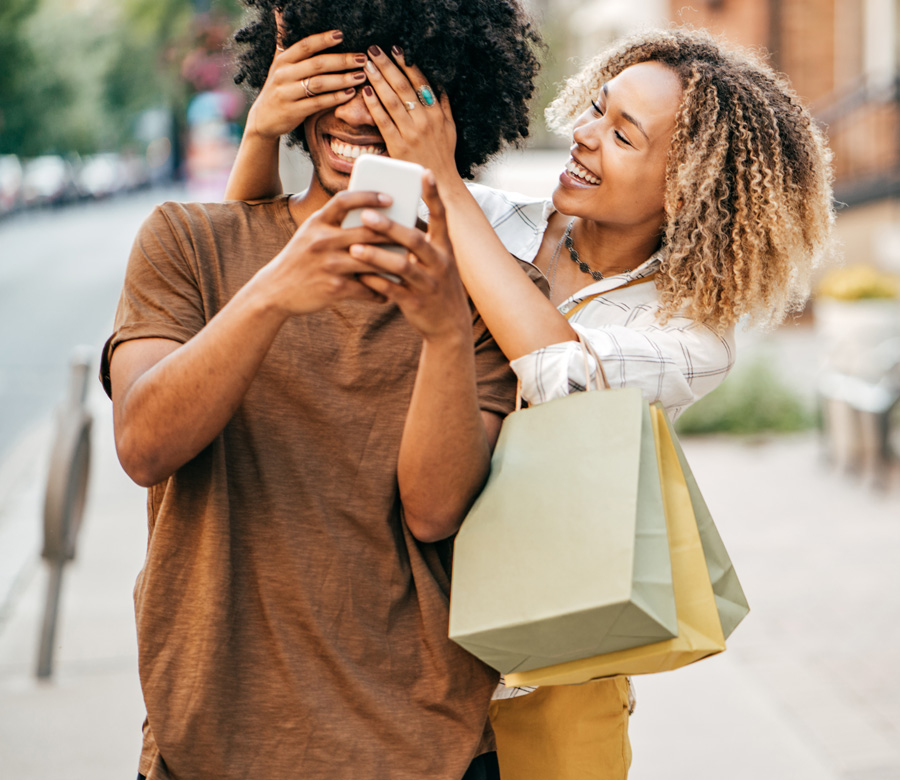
x=590, y=25
x=843, y=59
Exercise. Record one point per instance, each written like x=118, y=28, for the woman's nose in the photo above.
x=582, y=135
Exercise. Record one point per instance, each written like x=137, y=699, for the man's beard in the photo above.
x=315, y=159
x=329, y=190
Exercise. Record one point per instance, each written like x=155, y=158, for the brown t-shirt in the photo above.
x=289, y=625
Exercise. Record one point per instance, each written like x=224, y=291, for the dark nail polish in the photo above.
x=360, y=58
x=337, y=35
x=374, y=51
x=396, y=51
x=350, y=91
x=368, y=90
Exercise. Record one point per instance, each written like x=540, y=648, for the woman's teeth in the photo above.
x=574, y=169
x=352, y=151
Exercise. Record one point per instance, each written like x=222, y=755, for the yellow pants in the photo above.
x=564, y=732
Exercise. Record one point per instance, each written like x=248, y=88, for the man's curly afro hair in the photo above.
x=481, y=53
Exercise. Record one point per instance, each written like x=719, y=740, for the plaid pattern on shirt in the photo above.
x=676, y=363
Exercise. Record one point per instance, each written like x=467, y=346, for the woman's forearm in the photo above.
x=518, y=314
x=254, y=175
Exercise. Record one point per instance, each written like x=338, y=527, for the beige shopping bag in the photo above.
x=730, y=599
x=565, y=554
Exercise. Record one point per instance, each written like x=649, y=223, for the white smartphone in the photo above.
x=400, y=179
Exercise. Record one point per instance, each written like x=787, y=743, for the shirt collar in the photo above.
x=649, y=267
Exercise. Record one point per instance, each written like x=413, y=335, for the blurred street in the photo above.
x=808, y=689
x=61, y=271
x=60, y=275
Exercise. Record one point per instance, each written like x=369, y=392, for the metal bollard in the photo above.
x=65, y=497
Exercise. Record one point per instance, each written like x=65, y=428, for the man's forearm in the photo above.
x=519, y=316
x=445, y=450
x=170, y=401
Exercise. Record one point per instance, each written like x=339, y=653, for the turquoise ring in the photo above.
x=426, y=96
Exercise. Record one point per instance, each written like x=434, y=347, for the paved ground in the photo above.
x=85, y=722
x=807, y=690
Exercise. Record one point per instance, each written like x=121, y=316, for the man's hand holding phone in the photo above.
x=429, y=291
x=401, y=181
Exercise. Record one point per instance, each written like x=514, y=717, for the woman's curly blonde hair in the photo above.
x=748, y=201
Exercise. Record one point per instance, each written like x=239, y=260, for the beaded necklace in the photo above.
x=570, y=245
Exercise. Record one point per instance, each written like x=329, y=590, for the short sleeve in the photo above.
x=161, y=295
x=518, y=220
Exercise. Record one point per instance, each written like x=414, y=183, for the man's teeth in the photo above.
x=352, y=151
x=578, y=171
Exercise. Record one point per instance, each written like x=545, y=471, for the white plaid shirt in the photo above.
x=676, y=363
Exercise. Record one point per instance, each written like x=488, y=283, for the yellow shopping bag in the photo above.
x=699, y=626
x=564, y=732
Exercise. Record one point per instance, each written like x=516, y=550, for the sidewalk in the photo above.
x=85, y=722
x=808, y=689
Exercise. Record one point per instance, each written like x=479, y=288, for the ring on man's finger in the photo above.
x=305, y=83
x=426, y=96
x=410, y=105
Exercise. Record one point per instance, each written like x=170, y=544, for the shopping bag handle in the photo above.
x=586, y=347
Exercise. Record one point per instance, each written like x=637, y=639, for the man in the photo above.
x=311, y=446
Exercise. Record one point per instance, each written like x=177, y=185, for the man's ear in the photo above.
x=280, y=31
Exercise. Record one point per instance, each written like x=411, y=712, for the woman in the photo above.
x=697, y=194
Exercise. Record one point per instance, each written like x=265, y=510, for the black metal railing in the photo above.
x=863, y=126
x=64, y=500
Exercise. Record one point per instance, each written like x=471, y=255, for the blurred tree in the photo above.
x=73, y=41
x=76, y=75
x=752, y=399
x=166, y=51
x=30, y=87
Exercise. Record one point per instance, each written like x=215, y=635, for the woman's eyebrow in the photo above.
x=626, y=116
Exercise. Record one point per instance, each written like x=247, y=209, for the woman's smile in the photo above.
x=576, y=174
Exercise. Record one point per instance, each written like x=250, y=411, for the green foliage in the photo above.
x=550, y=78
x=73, y=55
x=752, y=399
x=75, y=76
x=29, y=90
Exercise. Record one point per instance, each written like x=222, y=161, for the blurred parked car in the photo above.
x=10, y=183
x=111, y=173
x=48, y=180
x=45, y=180
x=135, y=171
x=100, y=176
